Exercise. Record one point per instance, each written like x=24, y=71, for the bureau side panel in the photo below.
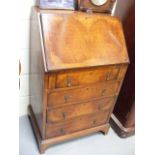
x=121, y=76
x=37, y=74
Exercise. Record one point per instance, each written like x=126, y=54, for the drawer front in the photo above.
x=76, y=110
x=85, y=76
x=66, y=97
x=77, y=124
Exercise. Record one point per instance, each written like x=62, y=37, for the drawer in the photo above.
x=80, y=94
x=76, y=124
x=76, y=110
x=84, y=76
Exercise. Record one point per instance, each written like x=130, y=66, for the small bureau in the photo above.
x=77, y=65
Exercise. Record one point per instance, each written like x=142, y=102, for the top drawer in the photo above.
x=71, y=78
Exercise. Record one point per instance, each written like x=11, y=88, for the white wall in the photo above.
x=23, y=50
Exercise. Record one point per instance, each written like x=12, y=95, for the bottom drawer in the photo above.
x=76, y=124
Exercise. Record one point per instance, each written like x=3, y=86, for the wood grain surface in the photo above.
x=76, y=39
x=78, y=63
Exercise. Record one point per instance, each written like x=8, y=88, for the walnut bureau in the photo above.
x=77, y=65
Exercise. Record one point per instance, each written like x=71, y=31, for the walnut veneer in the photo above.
x=77, y=62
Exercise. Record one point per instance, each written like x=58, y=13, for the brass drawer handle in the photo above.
x=113, y=74
x=99, y=107
x=61, y=130
x=66, y=98
x=64, y=115
x=107, y=76
x=69, y=81
x=94, y=122
x=103, y=92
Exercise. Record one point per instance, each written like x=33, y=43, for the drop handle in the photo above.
x=107, y=76
x=94, y=122
x=69, y=81
x=61, y=130
x=103, y=92
x=64, y=115
x=99, y=107
x=66, y=97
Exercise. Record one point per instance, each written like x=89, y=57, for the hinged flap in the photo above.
x=76, y=39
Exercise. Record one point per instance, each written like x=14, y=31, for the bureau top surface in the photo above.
x=76, y=39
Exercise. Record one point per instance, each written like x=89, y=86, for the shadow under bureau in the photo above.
x=77, y=65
